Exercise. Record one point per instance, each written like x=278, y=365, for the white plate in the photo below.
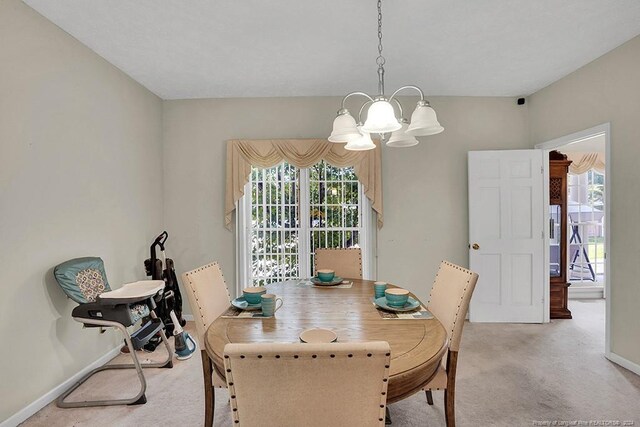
x=318, y=335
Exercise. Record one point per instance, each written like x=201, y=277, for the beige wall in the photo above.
x=80, y=174
x=607, y=90
x=425, y=187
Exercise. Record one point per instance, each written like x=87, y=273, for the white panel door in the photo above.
x=506, y=240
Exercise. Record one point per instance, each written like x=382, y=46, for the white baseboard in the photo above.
x=188, y=317
x=53, y=394
x=627, y=364
x=591, y=292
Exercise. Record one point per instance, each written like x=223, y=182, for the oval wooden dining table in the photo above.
x=417, y=345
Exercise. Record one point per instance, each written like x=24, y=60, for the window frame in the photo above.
x=367, y=239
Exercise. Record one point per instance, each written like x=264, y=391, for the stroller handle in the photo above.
x=160, y=240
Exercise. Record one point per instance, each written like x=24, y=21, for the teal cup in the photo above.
x=252, y=294
x=379, y=288
x=396, y=297
x=269, y=303
x=326, y=275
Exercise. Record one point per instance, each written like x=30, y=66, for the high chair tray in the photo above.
x=132, y=292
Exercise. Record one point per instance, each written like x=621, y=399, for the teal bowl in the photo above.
x=253, y=295
x=396, y=297
x=326, y=275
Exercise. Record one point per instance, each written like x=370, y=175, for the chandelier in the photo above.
x=381, y=115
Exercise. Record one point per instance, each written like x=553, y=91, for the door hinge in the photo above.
x=542, y=234
x=541, y=169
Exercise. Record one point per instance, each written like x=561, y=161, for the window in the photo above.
x=586, y=228
x=287, y=213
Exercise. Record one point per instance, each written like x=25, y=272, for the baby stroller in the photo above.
x=169, y=300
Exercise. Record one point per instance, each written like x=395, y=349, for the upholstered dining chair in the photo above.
x=297, y=384
x=347, y=263
x=208, y=297
x=449, y=302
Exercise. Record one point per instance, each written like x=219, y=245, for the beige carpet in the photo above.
x=509, y=375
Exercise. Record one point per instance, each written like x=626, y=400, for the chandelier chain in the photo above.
x=380, y=59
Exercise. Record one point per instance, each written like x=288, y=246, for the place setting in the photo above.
x=397, y=303
x=254, y=302
x=327, y=278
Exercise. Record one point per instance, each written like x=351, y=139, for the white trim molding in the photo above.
x=625, y=363
x=586, y=292
x=52, y=394
x=603, y=129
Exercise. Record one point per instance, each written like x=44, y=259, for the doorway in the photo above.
x=588, y=215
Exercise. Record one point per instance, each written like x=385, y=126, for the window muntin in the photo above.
x=281, y=244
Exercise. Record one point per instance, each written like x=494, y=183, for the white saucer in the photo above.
x=318, y=335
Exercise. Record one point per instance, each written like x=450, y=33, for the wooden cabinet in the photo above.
x=558, y=169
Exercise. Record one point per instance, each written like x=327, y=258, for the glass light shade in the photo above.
x=400, y=138
x=424, y=122
x=361, y=143
x=344, y=128
x=381, y=118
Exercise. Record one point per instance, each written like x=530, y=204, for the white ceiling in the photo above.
x=233, y=48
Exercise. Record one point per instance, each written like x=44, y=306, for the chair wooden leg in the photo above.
x=209, y=391
x=450, y=391
x=429, y=397
x=449, y=408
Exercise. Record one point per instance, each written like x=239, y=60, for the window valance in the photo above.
x=242, y=154
x=582, y=162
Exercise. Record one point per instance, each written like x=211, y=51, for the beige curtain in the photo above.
x=302, y=153
x=582, y=162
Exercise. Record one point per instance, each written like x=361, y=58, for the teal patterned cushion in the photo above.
x=82, y=279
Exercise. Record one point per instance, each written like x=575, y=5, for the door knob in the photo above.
x=475, y=246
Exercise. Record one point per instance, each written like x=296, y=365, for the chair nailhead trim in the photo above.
x=295, y=356
x=464, y=291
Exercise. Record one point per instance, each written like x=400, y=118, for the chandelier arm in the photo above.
x=342, y=107
x=408, y=87
x=399, y=107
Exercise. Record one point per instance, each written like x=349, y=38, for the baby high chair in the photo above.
x=85, y=281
